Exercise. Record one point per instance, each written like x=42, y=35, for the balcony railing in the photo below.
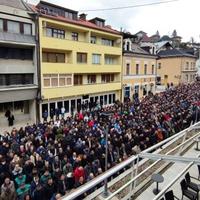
x=190, y=69
x=83, y=41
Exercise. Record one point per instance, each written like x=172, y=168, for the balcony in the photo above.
x=49, y=93
x=16, y=66
x=17, y=38
x=18, y=93
x=78, y=68
x=64, y=44
x=190, y=70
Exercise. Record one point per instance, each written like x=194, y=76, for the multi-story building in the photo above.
x=81, y=60
x=139, y=69
x=18, y=62
x=176, y=66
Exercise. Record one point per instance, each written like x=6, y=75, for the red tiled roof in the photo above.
x=79, y=22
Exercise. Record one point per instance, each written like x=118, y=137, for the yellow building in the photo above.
x=175, y=66
x=80, y=60
x=139, y=70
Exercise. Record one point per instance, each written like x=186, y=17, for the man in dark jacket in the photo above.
x=38, y=193
x=61, y=186
x=11, y=120
x=49, y=189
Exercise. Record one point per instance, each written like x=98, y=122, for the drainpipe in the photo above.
x=38, y=98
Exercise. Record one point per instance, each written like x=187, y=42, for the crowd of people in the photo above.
x=43, y=161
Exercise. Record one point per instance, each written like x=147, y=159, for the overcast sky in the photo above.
x=182, y=15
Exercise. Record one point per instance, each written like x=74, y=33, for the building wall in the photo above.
x=174, y=69
x=70, y=48
x=141, y=79
x=16, y=15
x=13, y=95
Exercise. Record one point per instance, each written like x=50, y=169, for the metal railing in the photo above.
x=159, y=159
x=86, y=187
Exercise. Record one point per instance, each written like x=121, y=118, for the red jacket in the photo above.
x=91, y=123
x=78, y=173
x=80, y=116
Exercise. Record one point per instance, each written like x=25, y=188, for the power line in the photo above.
x=132, y=6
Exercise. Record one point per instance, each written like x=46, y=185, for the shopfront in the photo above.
x=74, y=104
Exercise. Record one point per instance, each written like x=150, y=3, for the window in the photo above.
x=53, y=57
x=145, y=69
x=27, y=29
x=49, y=32
x=56, y=33
x=186, y=77
x=127, y=92
x=82, y=57
x=144, y=90
x=152, y=69
x=110, y=60
x=93, y=40
x=110, y=99
x=69, y=15
x=57, y=80
x=136, y=89
x=127, y=69
x=16, y=53
x=187, y=66
x=60, y=57
x=91, y=79
x=66, y=105
x=114, y=98
x=137, y=69
x=47, y=80
x=78, y=79
x=107, y=42
x=65, y=79
x=159, y=65
x=75, y=36
x=13, y=27
x=1, y=24
x=96, y=58
x=54, y=80
x=105, y=99
x=191, y=78
x=16, y=79
x=99, y=23
x=107, y=78
x=128, y=46
x=194, y=65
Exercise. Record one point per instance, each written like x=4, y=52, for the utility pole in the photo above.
x=106, y=164
x=106, y=131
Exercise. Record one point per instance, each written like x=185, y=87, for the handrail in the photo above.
x=131, y=181
x=110, y=172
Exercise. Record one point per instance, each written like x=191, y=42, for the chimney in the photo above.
x=83, y=16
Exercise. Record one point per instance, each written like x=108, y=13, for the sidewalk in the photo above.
x=5, y=127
